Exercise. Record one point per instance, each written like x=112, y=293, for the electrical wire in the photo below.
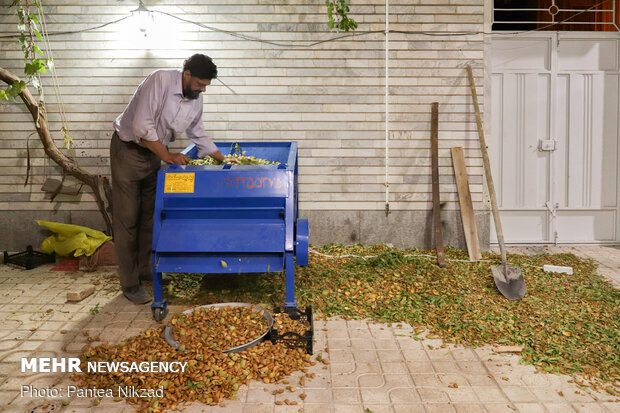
x=312, y=44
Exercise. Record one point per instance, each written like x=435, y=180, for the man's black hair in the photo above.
x=200, y=66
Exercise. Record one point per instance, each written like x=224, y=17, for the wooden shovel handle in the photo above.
x=487, y=167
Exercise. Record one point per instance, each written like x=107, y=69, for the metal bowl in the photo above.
x=168, y=331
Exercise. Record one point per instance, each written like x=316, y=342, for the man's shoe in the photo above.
x=137, y=294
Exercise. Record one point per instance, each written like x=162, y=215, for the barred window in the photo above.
x=562, y=15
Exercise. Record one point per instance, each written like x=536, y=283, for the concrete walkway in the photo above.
x=372, y=366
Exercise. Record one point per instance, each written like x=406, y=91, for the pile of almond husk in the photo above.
x=211, y=376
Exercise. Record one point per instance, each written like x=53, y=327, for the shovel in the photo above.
x=508, y=280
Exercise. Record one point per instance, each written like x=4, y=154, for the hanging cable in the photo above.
x=296, y=45
x=56, y=84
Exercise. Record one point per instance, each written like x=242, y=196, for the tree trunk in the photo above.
x=99, y=184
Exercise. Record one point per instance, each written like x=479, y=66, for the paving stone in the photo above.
x=361, y=356
x=312, y=395
x=371, y=380
x=463, y=354
x=369, y=367
x=588, y=407
x=356, y=324
x=500, y=408
x=375, y=395
x=6, y=397
x=342, y=356
x=559, y=408
x=530, y=408
x=410, y=408
x=386, y=344
x=440, y=408
x=257, y=408
x=383, y=335
x=462, y=395
x=472, y=367
x=449, y=379
x=535, y=380
x=445, y=366
x=415, y=354
x=426, y=380
x=613, y=407
x=547, y=394
x=468, y=408
x=390, y=356
x=440, y=355
x=395, y=368
x=314, y=408
x=342, y=368
x=378, y=408
x=358, y=333
x=518, y=394
x=344, y=380
x=430, y=395
x=343, y=408
x=9, y=344
x=404, y=395
x=338, y=343
x=259, y=396
x=419, y=367
x=409, y=343
x=481, y=380
x=489, y=394
x=349, y=395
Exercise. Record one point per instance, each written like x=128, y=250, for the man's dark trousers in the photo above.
x=134, y=183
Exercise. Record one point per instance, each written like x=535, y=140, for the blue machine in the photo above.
x=229, y=219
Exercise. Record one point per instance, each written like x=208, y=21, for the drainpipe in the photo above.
x=387, y=107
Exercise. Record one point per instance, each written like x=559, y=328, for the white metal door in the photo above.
x=554, y=136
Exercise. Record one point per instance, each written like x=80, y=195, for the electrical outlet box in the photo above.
x=546, y=145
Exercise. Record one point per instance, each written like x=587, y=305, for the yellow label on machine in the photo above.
x=179, y=183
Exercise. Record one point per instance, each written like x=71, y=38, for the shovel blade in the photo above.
x=511, y=283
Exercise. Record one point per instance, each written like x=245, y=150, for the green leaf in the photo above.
x=37, y=50
x=33, y=17
x=36, y=32
x=3, y=95
x=30, y=69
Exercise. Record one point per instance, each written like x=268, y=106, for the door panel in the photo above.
x=554, y=142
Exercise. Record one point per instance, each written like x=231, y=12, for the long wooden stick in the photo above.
x=487, y=168
x=441, y=259
x=467, y=209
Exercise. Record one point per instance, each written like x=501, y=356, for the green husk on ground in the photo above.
x=568, y=324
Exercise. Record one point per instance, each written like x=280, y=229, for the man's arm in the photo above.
x=163, y=153
x=205, y=145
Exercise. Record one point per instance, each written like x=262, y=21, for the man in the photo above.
x=166, y=104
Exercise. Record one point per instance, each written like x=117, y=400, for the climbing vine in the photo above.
x=337, y=14
x=35, y=62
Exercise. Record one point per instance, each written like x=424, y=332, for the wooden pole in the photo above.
x=441, y=259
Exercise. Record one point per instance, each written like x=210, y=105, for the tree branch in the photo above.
x=99, y=184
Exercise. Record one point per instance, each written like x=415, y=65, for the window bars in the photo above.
x=563, y=15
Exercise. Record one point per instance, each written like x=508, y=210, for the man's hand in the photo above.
x=177, y=159
x=160, y=150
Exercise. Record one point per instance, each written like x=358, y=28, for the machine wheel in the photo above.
x=301, y=242
x=159, y=313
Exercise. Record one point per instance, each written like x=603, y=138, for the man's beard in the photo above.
x=191, y=94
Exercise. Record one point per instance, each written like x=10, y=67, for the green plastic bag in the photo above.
x=69, y=238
